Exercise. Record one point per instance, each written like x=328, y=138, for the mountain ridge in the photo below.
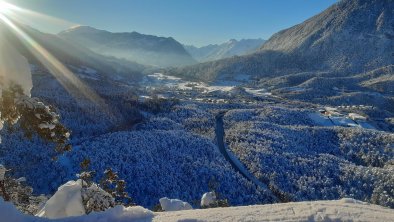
x=227, y=49
x=320, y=43
x=72, y=54
x=133, y=46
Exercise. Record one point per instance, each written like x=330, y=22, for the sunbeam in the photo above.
x=68, y=79
x=26, y=16
x=6, y=7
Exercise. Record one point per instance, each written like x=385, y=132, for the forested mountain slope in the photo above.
x=133, y=46
x=350, y=36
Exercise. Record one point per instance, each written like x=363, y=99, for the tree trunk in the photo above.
x=6, y=197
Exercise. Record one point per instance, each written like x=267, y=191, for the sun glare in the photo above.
x=9, y=13
x=6, y=7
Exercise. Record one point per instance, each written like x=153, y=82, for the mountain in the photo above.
x=133, y=46
x=350, y=36
x=367, y=24
x=220, y=51
x=71, y=54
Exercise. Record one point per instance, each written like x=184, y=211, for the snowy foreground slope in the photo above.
x=341, y=210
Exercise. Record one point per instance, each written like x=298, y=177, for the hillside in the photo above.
x=228, y=49
x=133, y=46
x=321, y=43
x=324, y=39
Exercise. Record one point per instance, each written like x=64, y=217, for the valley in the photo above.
x=299, y=126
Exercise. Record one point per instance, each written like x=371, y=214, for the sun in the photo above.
x=6, y=7
x=8, y=15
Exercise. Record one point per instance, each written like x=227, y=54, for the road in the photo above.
x=231, y=158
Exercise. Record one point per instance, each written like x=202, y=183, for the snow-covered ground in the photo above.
x=331, y=116
x=340, y=210
x=339, y=121
x=159, y=79
x=258, y=92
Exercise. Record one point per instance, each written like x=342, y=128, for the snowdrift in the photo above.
x=340, y=210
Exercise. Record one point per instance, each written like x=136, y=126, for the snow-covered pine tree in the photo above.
x=108, y=193
x=20, y=194
x=32, y=117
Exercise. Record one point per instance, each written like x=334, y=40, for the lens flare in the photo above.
x=6, y=7
x=27, y=16
x=65, y=77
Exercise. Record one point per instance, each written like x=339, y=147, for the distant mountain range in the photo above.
x=349, y=37
x=145, y=49
x=228, y=49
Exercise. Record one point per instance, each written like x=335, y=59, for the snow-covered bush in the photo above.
x=211, y=200
x=174, y=205
x=33, y=117
x=95, y=199
x=208, y=199
x=77, y=198
x=17, y=192
x=108, y=193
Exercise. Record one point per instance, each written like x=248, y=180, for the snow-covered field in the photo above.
x=160, y=80
x=340, y=119
x=340, y=210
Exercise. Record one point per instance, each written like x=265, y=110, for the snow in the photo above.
x=208, y=199
x=14, y=68
x=224, y=50
x=2, y=172
x=159, y=79
x=47, y=126
x=66, y=202
x=340, y=210
x=355, y=116
x=117, y=214
x=174, y=205
x=320, y=119
x=31, y=103
x=342, y=121
x=96, y=199
x=352, y=120
x=258, y=92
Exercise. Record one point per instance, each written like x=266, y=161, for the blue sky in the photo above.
x=197, y=22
